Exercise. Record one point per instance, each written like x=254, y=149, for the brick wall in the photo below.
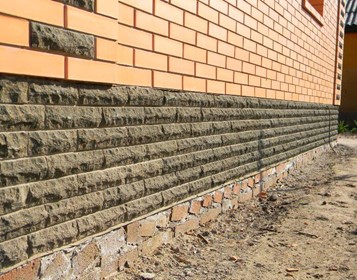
x=80, y=153
x=273, y=48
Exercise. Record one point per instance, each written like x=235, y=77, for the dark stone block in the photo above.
x=61, y=40
x=84, y=4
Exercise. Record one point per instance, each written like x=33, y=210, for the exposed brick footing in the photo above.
x=102, y=257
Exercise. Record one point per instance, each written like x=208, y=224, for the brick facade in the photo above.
x=273, y=48
x=113, y=110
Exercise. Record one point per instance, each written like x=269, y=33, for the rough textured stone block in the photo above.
x=73, y=163
x=21, y=117
x=53, y=237
x=13, y=251
x=157, y=115
x=100, y=221
x=22, y=222
x=124, y=156
x=13, y=145
x=73, y=208
x=145, y=97
x=143, y=206
x=102, y=179
x=177, y=131
x=130, y=192
x=145, y=134
x=123, y=116
x=55, y=93
x=156, y=184
x=13, y=90
x=61, y=40
x=144, y=170
x=51, y=142
x=12, y=199
x=72, y=117
x=21, y=171
x=100, y=138
x=103, y=95
x=84, y=4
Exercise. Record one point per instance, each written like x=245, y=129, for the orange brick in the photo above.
x=248, y=68
x=106, y=50
x=89, y=70
x=207, y=200
x=150, y=60
x=226, y=49
x=134, y=76
x=224, y=75
x=249, y=45
x=243, y=30
x=254, y=81
x=81, y=20
x=236, y=14
x=227, y=22
x=194, y=84
x=25, y=62
x=168, y=12
x=188, y=5
x=146, y=5
x=182, y=34
x=179, y=212
x=220, y=6
x=240, y=78
x=196, y=23
x=207, y=42
x=151, y=23
x=235, y=39
x=126, y=14
x=233, y=89
x=216, y=59
x=195, y=206
x=245, y=7
x=251, y=22
x=168, y=46
x=218, y=196
x=107, y=7
x=181, y=66
x=216, y=87
x=125, y=55
x=207, y=13
x=194, y=53
x=14, y=31
x=205, y=71
x=248, y=91
x=255, y=59
x=216, y=31
x=234, y=64
x=135, y=38
x=242, y=54
x=167, y=80
x=260, y=92
x=44, y=11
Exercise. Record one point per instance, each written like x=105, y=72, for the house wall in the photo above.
x=273, y=48
x=349, y=86
x=110, y=110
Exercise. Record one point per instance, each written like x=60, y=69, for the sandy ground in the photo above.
x=306, y=228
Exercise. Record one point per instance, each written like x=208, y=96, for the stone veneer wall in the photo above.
x=77, y=159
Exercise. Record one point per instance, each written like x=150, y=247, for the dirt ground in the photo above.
x=306, y=228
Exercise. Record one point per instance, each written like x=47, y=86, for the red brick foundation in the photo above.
x=103, y=256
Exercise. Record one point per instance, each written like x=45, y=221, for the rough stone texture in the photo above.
x=77, y=159
x=84, y=4
x=61, y=40
x=13, y=90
